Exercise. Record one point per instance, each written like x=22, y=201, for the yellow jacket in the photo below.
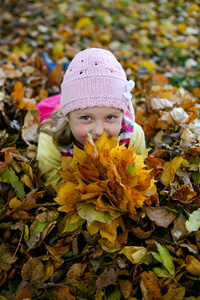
x=49, y=156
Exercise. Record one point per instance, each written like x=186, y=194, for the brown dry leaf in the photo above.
x=150, y=286
x=33, y=269
x=179, y=230
x=108, y=276
x=90, y=240
x=11, y=153
x=184, y=194
x=34, y=239
x=24, y=293
x=56, y=76
x=7, y=257
x=97, y=253
x=192, y=265
x=165, y=121
x=62, y=292
x=155, y=165
x=31, y=122
x=75, y=271
x=149, y=127
x=58, y=250
x=160, y=215
x=3, y=166
x=47, y=216
x=197, y=236
x=141, y=233
x=27, y=204
x=126, y=288
x=190, y=247
x=22, y=215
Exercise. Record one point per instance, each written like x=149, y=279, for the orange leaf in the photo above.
x=159, y=79
x=150, y=286
x=184, y=194
x=196, y=92
x=18, y=92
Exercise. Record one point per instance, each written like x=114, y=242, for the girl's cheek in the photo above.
x=83, y=131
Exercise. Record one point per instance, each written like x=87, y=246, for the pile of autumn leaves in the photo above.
x=107, y=188
x=109, y=210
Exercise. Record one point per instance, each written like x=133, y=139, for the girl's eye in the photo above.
x=111, y=117
x=86, y=118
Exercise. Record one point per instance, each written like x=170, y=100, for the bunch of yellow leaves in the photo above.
x=101, y=183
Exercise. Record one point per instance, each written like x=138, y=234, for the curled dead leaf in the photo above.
x=184, y=194
x=62, y=292
x=75, y=271
x=47, y=216
x=150, y=286
x=7, y=257
x=192, y=265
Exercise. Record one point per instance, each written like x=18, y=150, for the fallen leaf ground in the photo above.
x=41, y=256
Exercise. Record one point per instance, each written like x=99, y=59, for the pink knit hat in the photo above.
x=94, y=78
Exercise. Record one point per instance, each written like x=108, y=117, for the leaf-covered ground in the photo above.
x=42, y=256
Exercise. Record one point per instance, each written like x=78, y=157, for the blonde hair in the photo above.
x=57, y=127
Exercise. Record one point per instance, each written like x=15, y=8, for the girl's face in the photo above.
x=95, y=120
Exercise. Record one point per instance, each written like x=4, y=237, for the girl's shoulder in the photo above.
x=137, y=139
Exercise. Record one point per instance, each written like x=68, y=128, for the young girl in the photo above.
x=95, y=97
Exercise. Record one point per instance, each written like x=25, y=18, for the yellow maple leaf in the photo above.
x=170, y=169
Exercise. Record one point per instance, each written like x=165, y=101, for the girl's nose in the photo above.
x=98, y=129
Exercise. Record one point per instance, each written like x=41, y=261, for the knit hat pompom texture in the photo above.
x=93, y=78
